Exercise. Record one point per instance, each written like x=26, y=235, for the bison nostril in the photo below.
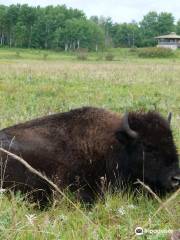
x=175, y=181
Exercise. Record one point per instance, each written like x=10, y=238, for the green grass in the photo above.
x=120, y=54
x=31, y=86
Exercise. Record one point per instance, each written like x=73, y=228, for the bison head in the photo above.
x=149, y=152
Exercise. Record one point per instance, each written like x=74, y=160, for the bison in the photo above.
x=80, y=148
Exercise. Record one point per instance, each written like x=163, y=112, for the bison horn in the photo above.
x=169, y=117
x=126, y=127
x=177, y=178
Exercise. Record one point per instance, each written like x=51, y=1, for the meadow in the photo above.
x=34, y=83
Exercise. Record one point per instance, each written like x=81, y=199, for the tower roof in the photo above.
x=172, y=35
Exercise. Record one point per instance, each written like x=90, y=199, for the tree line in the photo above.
x=59, y=27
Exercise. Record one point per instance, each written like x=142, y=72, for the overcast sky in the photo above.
x=118, y=10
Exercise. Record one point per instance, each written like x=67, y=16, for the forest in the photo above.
x=63, y=28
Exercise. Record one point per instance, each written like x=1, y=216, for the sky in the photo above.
x=119, y=10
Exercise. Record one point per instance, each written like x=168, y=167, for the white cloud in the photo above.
x=118, y=10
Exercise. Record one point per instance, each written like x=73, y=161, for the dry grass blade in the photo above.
x=54, y=186
x=173, y=196
x=154, y=195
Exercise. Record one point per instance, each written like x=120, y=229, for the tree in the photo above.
x=79, y=33
x=154, y=24
x=97, y=38
x=165, y=23
x=11, y=17
x=149, y=28
x=3, y=10
x=20, y=35
x=27, y=18
x=106, y=25
x=127, y=35
x=178, y=27
x=94, y=19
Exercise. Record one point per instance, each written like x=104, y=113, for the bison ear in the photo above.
x=125, y=134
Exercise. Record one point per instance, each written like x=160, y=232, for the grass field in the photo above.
x=36, y=83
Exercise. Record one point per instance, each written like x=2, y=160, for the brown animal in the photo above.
x=79, y=148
